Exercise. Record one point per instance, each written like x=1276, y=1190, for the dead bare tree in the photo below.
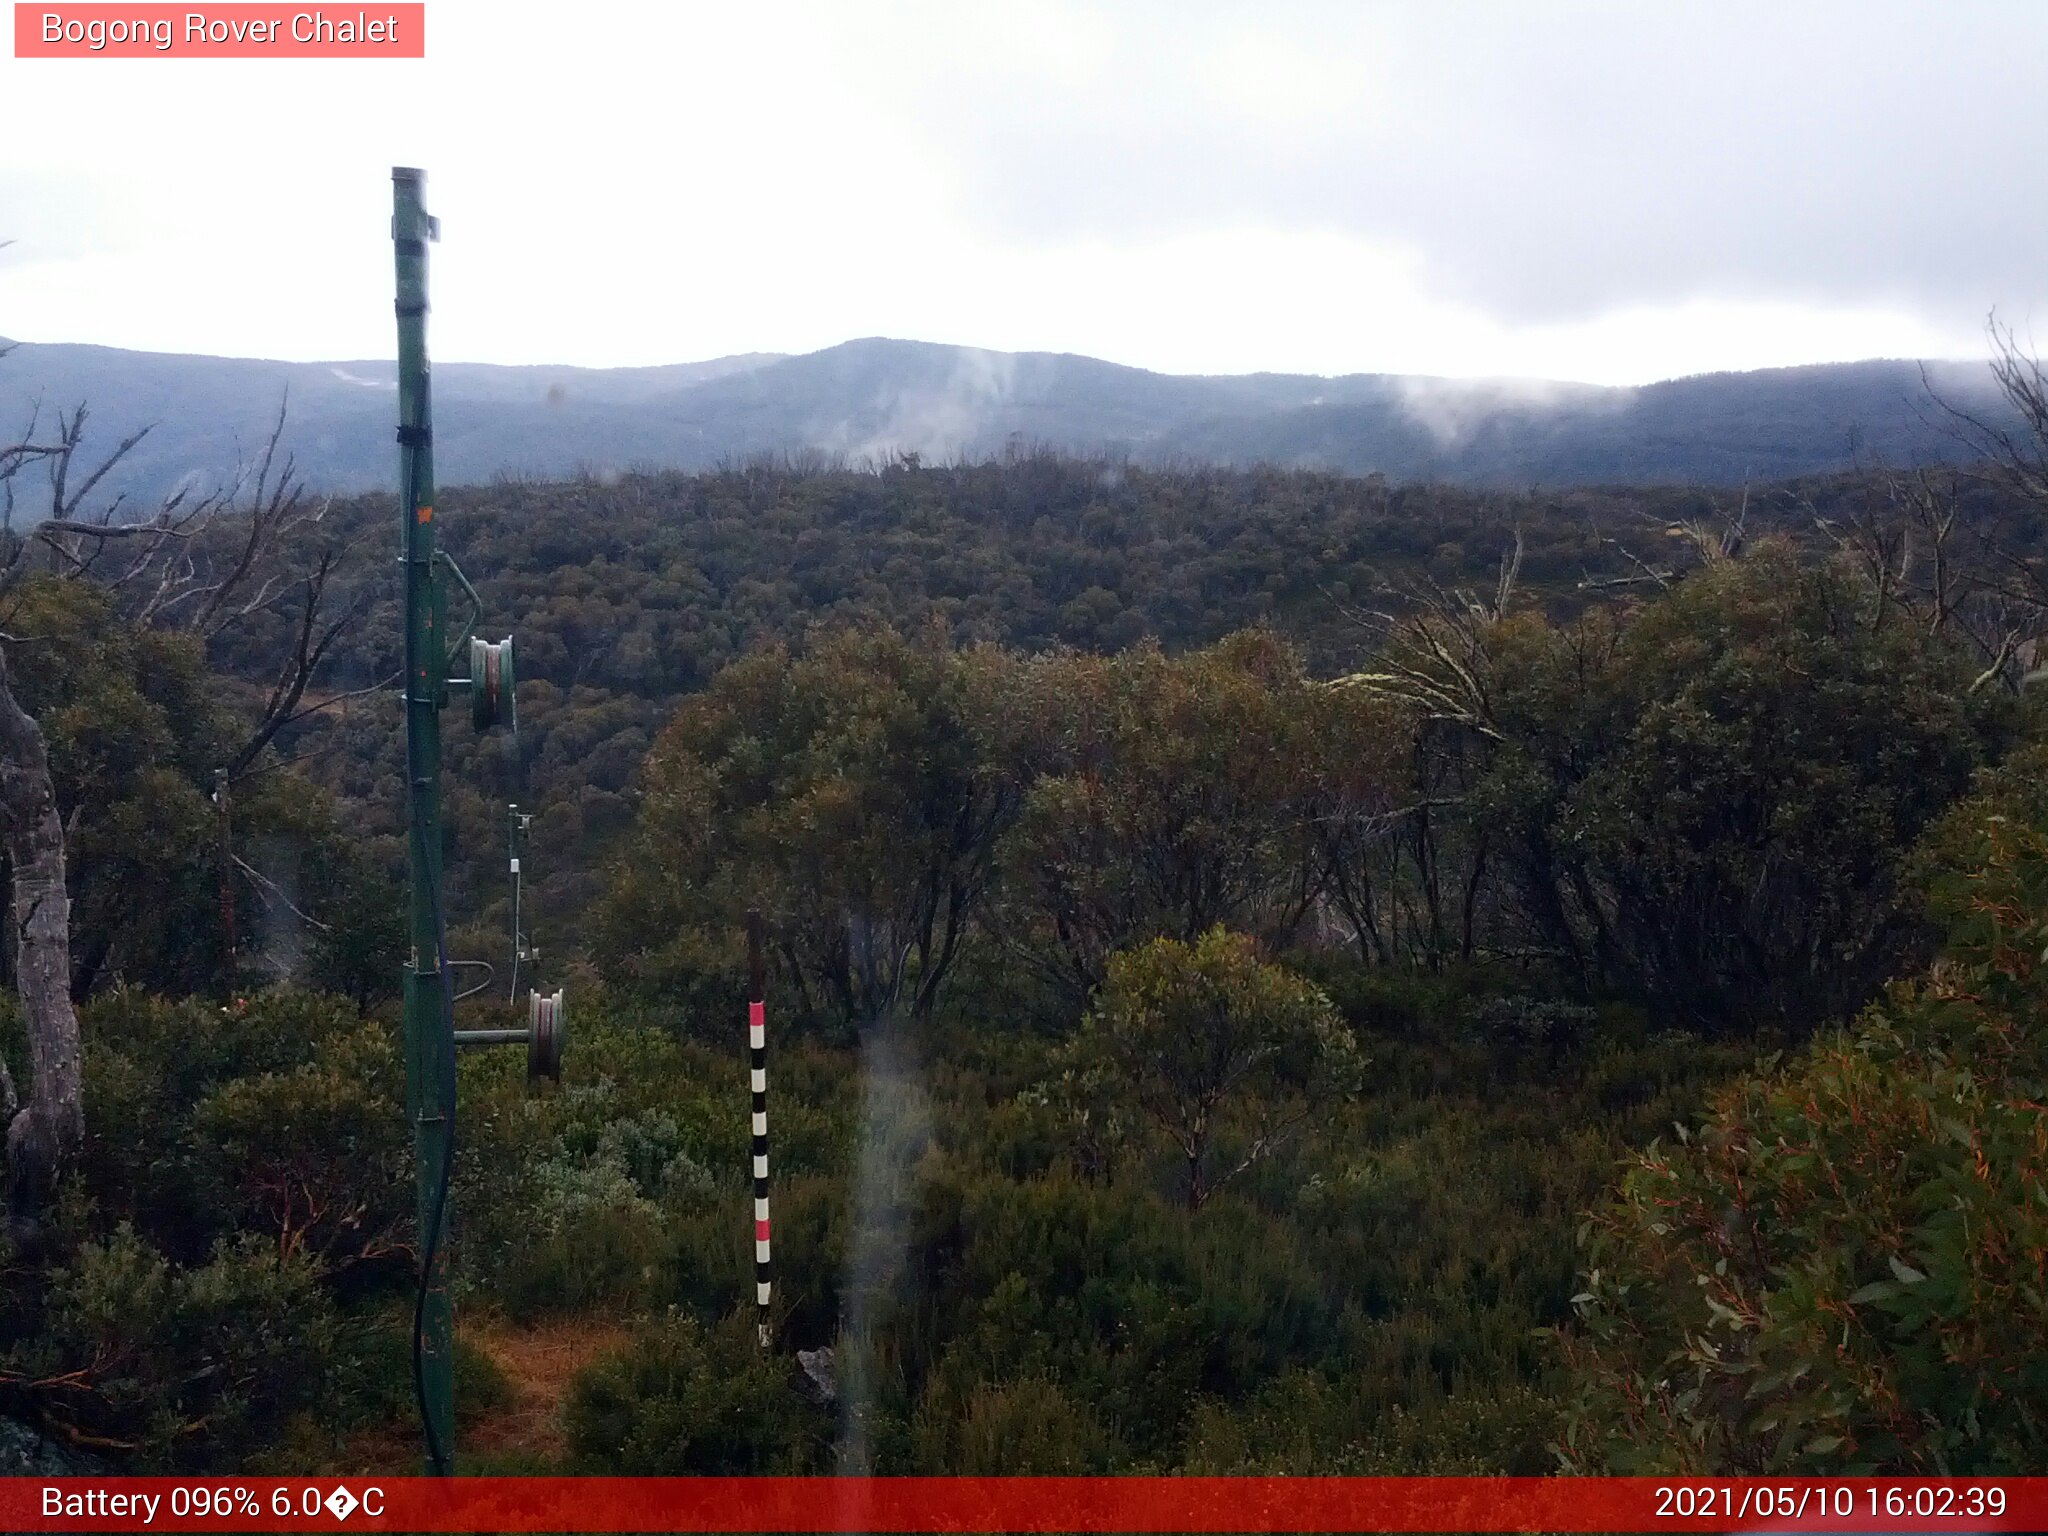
x=1937, y=551
x=206, y=563
x=1701, y=541
x=1930, y=563
x=2015, y=456
x=43, y=1131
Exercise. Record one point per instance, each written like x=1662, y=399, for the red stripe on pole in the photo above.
x=1088, y=1504
x=761, y=1230
x=757, y=1015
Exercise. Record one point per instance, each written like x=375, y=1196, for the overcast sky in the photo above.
x=1606, y=192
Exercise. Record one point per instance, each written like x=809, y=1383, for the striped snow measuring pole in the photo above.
x=757, y=1062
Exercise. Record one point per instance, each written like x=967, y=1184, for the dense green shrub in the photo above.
x=180, y=1366
x=1705, y=800
x=1227, y=1058
x=1841, y=1268
x=318, y=1154
x=240, y=1159
x=279, y=1112
x=683, y=1399
x=1167, y=795
x=850, y=793
x=1304, y=1424
x=1027, y=1428
x=627, y=1185
x=136, y=723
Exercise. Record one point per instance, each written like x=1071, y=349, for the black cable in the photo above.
x=484, y=985
x=431, y=1246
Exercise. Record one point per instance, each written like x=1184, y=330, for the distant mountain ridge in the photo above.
x=875, y=398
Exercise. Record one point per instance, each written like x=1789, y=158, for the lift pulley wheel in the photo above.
x=546, y=1029
x=493, y=690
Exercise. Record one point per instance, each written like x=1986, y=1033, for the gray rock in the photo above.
x=815, y=1380
x=25, y=1451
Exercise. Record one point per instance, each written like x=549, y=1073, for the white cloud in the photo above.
x=1593, y=190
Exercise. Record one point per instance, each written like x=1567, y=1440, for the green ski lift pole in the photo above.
x=429, y=1033
x=431, y=1037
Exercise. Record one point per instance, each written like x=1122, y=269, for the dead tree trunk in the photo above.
x=48, y=1126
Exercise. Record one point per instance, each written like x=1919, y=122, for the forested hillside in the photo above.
x=865, y=402
x=1270, y=971
x=631, y=593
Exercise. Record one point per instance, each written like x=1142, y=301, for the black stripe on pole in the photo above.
x=757, y=1058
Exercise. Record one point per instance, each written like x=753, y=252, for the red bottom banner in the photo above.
x=919, y=1504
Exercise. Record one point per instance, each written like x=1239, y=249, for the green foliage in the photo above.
x=1840, y=1269
x=1083, y=1321
x=1701, y=801
x=136, y=723
x=684, y=1399
x=1228, y=1057
x=848, y=793
x=277, y=1114
x=1704, y=799
x=634, y=592
x=596, y=1236
x=1028, y=1428
x=1058, y=876
x=616, y=1191
x=185, y=1367
x=241, y=1188
x=133, y=730
x=318, y=1154
x=360, y=953
x=1302, y=1424
x=1111, y=1292
x=1783, y=749
x=1168, y=795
